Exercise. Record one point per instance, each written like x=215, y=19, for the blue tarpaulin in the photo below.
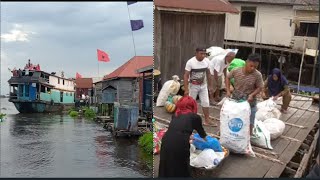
x=305, y=88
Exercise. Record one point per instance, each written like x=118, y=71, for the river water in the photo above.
x=56, y=145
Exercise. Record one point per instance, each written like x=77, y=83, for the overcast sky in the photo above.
x=65, y=36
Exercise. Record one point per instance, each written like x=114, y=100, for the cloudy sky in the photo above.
x=65, y=36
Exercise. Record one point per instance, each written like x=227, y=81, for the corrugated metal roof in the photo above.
x=84, y=83
x=280, y=2
x=129, y=69
x=200, y=5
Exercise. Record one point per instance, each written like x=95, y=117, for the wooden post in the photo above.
x=260, y=48
x=315, y=63
x=303, y=50
x=269, y=62
x=281, y=61
x=289, y=61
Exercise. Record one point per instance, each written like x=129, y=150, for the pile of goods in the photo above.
x=171, y=102
x=206, y=154
x=157, y=137
x=170, y=88
x=168, y=94
x=269, y=115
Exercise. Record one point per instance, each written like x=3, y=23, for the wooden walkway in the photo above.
x=300, y=120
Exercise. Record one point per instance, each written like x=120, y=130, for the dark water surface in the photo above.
x=54, y=145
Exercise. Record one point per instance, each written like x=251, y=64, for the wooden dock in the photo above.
x=301, y=121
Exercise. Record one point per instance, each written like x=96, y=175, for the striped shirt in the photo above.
x=246, y=83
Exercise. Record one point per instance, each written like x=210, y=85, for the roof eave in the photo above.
x=194, y=10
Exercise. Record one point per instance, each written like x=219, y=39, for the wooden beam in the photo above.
x=270, y=47
x=306, y=158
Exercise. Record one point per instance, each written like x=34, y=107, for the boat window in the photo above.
x=20, y=90
x=43, y=89
x=27, y=90
x=36, y=74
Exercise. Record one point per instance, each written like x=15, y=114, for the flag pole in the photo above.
x=134, y=47
x=98, y=70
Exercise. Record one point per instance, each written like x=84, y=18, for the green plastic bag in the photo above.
x=170, y=99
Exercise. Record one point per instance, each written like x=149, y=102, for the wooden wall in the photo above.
x=180, y=34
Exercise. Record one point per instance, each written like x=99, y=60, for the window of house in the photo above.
x=58, y=80
x=63, y=81
x=307, y=29
x=248, y=16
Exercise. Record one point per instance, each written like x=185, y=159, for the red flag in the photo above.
x=78, y=75
x=103, y=56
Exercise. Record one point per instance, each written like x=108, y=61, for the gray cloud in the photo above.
x=65, y=36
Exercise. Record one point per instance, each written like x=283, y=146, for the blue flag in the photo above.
x=136, y=24
x=131, y=2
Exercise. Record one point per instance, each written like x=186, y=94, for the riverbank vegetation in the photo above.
x=73, y=114
x=2, y=116
x=146, y=142
x=88, y=113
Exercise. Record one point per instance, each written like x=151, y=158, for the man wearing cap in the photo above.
x=196, y=73
x=218, y=67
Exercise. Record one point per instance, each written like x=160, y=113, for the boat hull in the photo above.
x=41, y=107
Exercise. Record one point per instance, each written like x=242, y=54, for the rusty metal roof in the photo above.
x=279, y=2
x=84, y=83
x=221, y=6
x=129, y=69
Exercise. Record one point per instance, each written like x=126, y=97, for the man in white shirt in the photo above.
x=218, y=68
x=196, y=73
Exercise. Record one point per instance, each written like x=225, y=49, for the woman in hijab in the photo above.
x=276, y=85
x=175, y=146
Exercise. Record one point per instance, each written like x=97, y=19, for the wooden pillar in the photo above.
x=314, y=70
x=261, y=59
x=269, y=62
x=289, y=61
x=281, y=61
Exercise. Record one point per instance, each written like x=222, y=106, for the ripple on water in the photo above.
x=43, y=145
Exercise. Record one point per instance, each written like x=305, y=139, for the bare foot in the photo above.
x=284, y=111
x=210, y=124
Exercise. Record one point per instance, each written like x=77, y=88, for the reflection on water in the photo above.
x=55, y=145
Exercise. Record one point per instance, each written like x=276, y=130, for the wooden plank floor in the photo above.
x=283, y=148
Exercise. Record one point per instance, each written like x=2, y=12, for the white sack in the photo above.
x=275, y=127
x=235, y=127
x=261, y=135
x=170, y=87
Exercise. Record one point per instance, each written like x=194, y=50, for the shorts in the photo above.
x=253, y=114
x=202, y=91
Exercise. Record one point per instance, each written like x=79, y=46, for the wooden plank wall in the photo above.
x=125, y=87
x=181, y=34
